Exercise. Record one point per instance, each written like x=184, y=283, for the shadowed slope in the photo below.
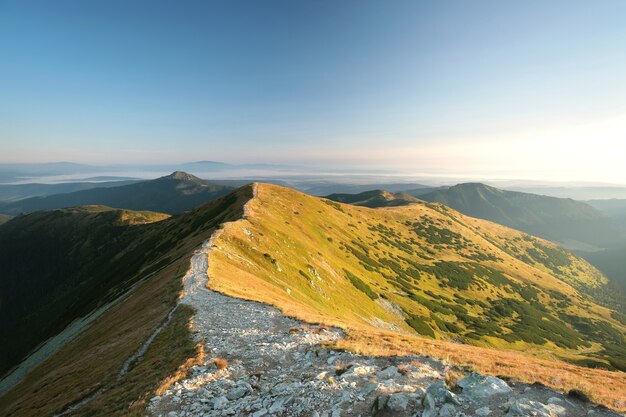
x=153, y=256
x=172, y=194
x=561, y=220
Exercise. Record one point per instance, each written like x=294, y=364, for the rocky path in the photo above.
x=276, y=367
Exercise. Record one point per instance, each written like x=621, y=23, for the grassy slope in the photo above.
x=556, y=219
x=61, y=264
x=93, y=360
x=375, y=198
x=342, y=265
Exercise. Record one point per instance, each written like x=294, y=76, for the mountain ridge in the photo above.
x=374, y=198
x=553, y=218
x=363, y=269
x=172, y=194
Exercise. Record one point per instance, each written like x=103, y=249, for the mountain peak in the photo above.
x=182, y=176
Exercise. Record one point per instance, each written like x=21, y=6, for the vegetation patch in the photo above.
x=360, y=285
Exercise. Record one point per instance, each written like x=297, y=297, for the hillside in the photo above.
x=15, y=192
x=4, y=218
x=175, y=193
x=568, y=222
x=321, y=188
x=420, y=269
x=59, y=265
x=421, y=279
x=374, y=198
x=613, y=208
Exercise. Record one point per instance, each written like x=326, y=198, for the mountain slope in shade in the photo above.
x=4, y=218
x=422, y=269
x=15, y=192
x=613, y=208
x=568, y=222
x=375, y=198
x=171, y=194
x=59, y=265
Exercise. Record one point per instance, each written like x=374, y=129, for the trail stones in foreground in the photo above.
x=479, y=388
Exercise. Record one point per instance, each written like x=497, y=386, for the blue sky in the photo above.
x=533, y=89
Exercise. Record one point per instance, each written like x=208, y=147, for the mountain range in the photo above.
x=420, y=278
x=175, y=193
x=569, y=222
x=15, y=192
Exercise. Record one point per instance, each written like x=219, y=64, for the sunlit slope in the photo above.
x=374, y=198
x=422, y=269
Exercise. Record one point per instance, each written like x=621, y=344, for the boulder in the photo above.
x=220, y=402
x=391, y=372
x=437, y=395
x=479, y=388
x=529, y=408
x=447, y=410
x=483, y=411
x=440, y=394
x=237, y=392
x=398, y=402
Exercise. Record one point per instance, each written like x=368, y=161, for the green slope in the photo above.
x=566, y=221
x=421, y=268
x=175, y=193
x=374, y=198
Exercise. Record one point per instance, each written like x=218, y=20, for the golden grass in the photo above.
x=604, y=387
x=220, y=363
x=183, y=370
x=297, y=233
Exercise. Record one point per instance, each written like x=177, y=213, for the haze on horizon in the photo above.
x=530, y=90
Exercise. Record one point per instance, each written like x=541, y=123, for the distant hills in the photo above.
x=15, y=192
x=571, y=223
x=375, y=198
x=613, y=208
x=323, y=188
x=171, y=194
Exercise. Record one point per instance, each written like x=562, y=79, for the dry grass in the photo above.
x=452, y=376
x=296, y=241
x=604, y=387
x=220, y=363
x=183, y=370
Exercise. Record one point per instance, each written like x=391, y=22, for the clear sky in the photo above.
x=526, y=89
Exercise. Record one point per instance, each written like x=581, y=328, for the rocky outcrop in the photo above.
x=278, y=367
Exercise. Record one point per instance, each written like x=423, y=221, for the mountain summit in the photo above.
x=183, y=176
x=172, y=194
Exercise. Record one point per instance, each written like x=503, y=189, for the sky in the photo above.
x=502, y=89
